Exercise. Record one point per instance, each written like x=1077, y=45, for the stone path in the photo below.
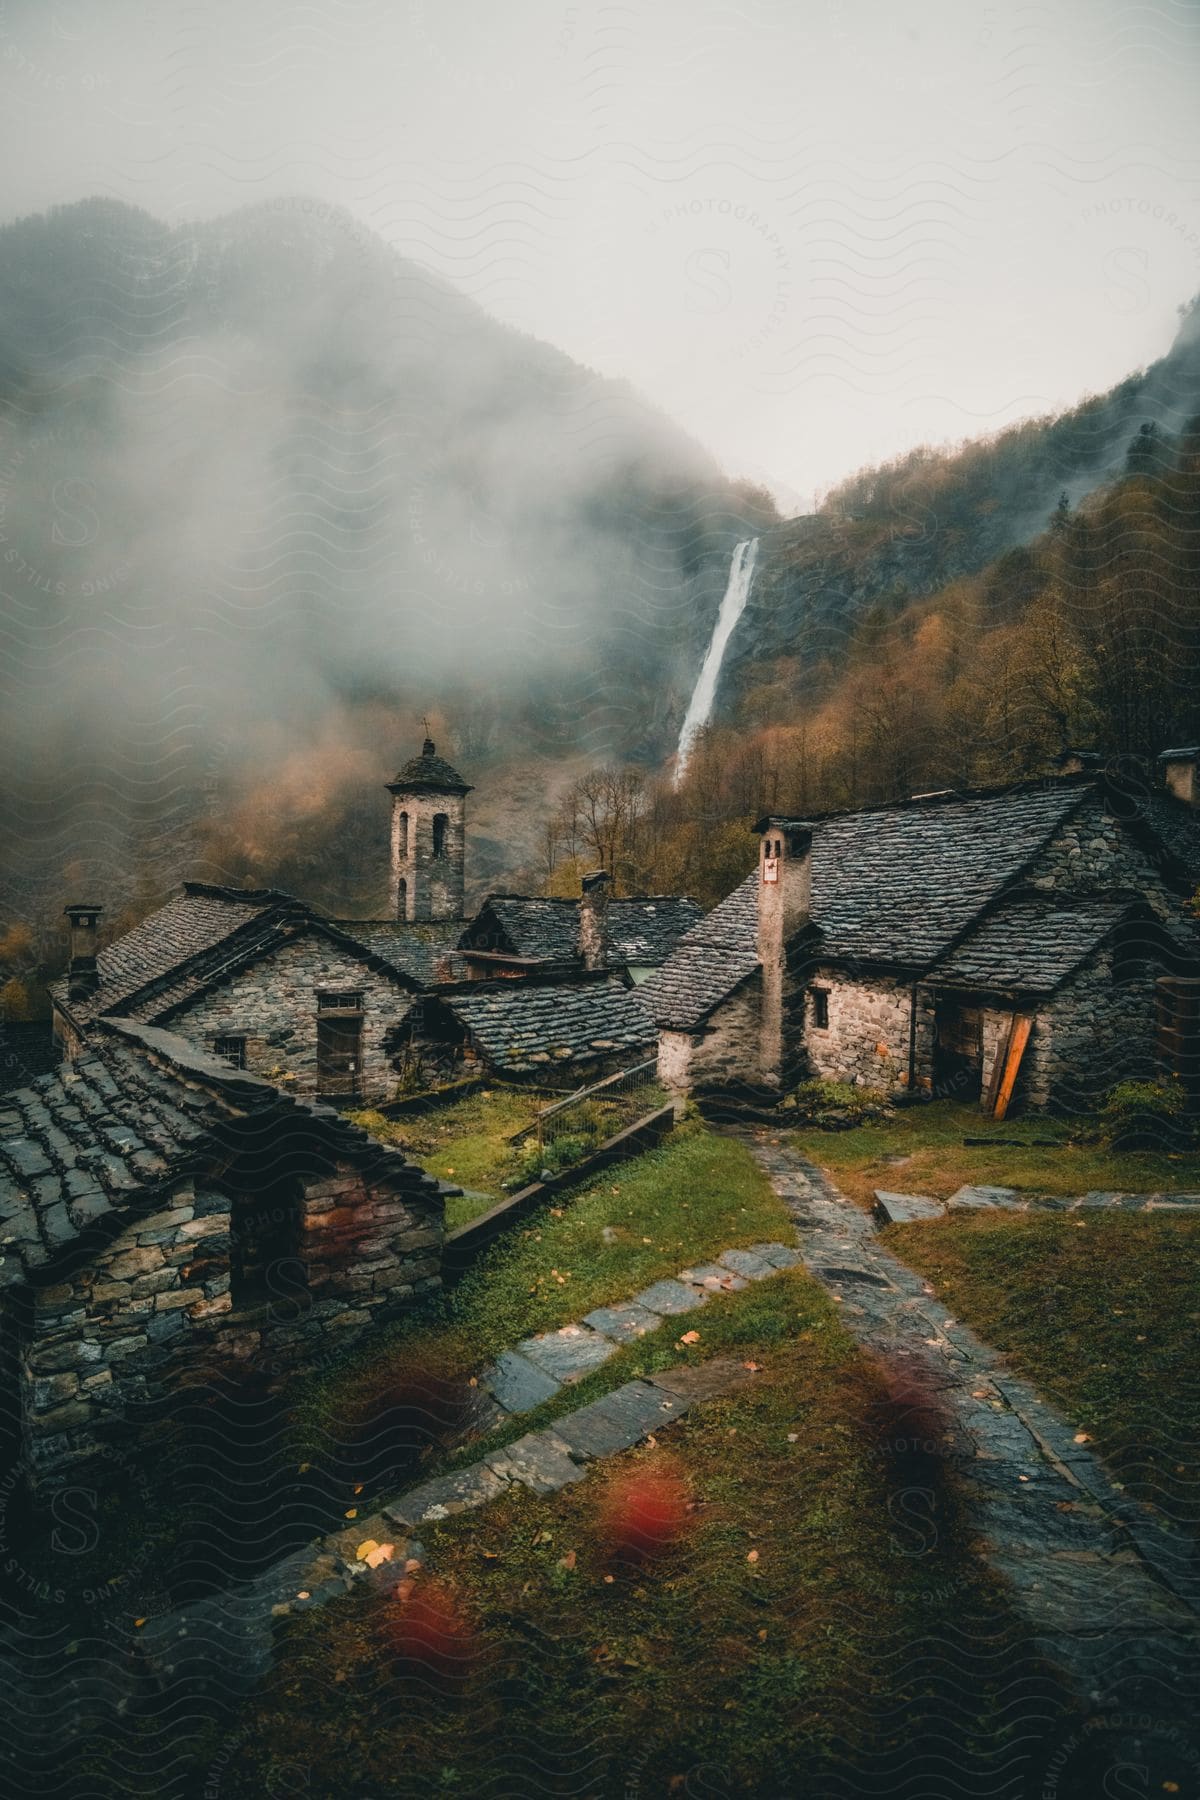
x=903, y=1209
x=1111, y=1593
x=225, y=1644
x=535, y=1369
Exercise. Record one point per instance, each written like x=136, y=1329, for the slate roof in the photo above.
x=431, y=772
x=641, y=928
x=102, y=1136
x=708, y=963
x=1032, y=942
x=891, y=886
x=1176, y=827
x=414, y=949
x=522, y=1025
x=196, y=922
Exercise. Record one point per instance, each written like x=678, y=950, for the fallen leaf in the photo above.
x=404, y=1591
x=762, y=1636
x=303, y=1594
x=690, y=1337
x=793, y=1437
x=380, y=1554
x=1081, y=1437
x=364, y=1549
x=608, y=1580
x=753, y=1367
x=752, y=1556
x=139, y=1621
x=411, y=1565
x=567, y=1561
x=352, y=1514
x=358, y=1487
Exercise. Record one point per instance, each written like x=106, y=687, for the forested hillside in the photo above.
x=1087, y=637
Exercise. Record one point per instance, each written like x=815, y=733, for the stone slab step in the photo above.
x=905, y=1209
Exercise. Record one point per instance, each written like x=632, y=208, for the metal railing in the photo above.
x=615, y=1101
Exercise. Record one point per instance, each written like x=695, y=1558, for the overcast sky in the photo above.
x=816, y=232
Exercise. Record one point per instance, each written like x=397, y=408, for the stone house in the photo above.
x=1034, y=942
x=264, y=981
x=521, y=934
x=167, y=1219
x=551, y=1031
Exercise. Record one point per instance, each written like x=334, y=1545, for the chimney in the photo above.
x=1179, y=773
x=593, y=921
x=82, y=976
x=784, y=905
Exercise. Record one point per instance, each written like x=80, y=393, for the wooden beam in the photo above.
x=988, y=1102
x=1022, y=1025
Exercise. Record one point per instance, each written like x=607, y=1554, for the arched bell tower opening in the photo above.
x=429, y=816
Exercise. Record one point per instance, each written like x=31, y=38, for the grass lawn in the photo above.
x=1101, y=1311
x=683, y=1203
x=466, y=1143
x=789, y=1630
x=921, y=1151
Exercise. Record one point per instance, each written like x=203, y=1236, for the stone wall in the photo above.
x=867, y=1038
x=1093, y=1032
x=1093, y=853
x=155, y=1308
x=273, y=1005
x=425, y=886
x=722, y=1053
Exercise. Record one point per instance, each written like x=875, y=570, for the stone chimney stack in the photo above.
x=784, y=905
x=1179, y=773
x=82, y=975
x=593, y=921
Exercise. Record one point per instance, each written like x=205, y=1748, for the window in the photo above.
x=440, y=822
x=340, y=1000
x=231, y=1050
x=820, y=1008
x=402, y=836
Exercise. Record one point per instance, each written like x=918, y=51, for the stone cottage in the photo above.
x=552, y=1031
x=1029, y=945
x=521, y=934
x=165, y=1218
x=265, y=982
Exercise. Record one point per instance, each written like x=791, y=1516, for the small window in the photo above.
x=231, y=1050
x=820, y=1008
x=340, y=1000
x=403, y=835
x=440, y=823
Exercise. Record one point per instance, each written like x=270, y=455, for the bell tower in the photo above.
x=429, y=816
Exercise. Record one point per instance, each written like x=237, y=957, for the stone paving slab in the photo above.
x=446, y=1496
x=904, y=1209
x=540, y=1461
x=973, y=1196
x=713, y=1277
x=619, y=1420
x=780, y=1256
x=670, y=1297
x=622, y=1322
x=568, y=1353
x=517, y=1384
x=747, y=1263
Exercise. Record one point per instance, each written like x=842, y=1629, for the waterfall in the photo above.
x=737, y=592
